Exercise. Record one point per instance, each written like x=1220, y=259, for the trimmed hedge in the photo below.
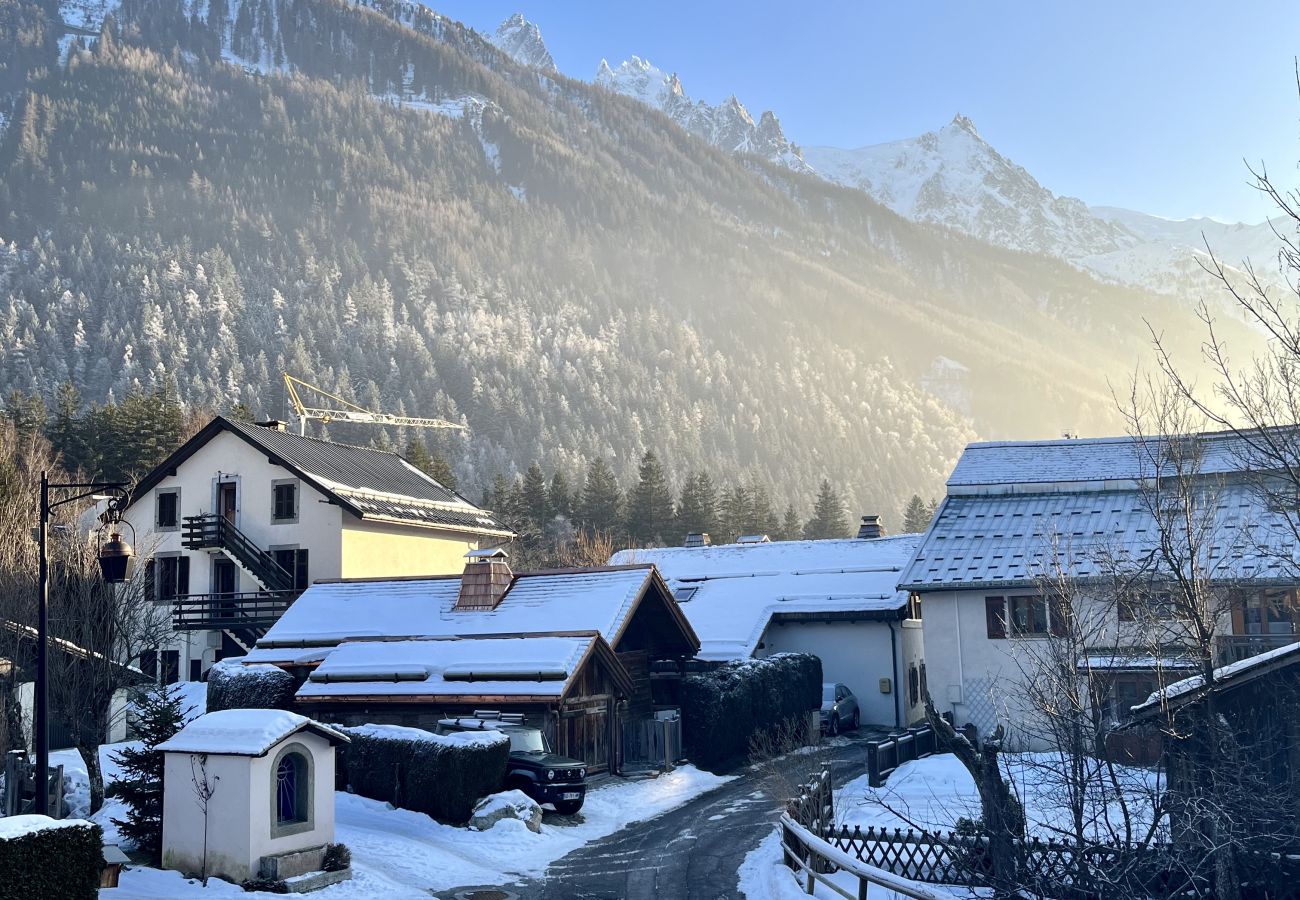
x=724, y=709
x=232, y=685
x=61, y=861
x=443, y=776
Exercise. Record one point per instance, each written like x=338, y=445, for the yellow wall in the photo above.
x=376, y=550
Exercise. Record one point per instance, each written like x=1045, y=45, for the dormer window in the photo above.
x=284, y=501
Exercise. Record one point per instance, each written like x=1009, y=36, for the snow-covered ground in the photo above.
x=400, y=854
x=935, y=792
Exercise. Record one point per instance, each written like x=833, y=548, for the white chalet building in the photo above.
x=235, y=524
x=836, y=599
x=1019, y=516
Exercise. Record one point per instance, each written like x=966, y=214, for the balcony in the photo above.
x=248, y=612
x=214, y=532
x=1231, y=648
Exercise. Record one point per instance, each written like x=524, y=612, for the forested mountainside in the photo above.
x=381, y=201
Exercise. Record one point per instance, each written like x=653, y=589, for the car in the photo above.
x=545, y=776
x=839, y=710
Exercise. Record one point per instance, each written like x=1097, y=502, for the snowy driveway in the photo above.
x=693, y=852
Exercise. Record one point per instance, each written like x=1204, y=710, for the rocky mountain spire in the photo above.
x=522, y=40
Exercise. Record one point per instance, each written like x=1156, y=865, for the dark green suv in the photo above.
x=545, y=776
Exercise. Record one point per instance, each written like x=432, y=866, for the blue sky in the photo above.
x=1151, y=105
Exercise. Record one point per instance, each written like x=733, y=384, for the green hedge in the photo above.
x=232, y=685
x=724, y=709
x=62, y=861
x=429, y=773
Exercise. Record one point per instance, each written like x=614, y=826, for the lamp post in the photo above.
x=115, y=559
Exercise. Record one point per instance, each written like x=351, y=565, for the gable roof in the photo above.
x=730, y=593
x=1189, y=690
x=371, y=484
x=244, y=732
x=537, y=668
x=1020, y=512
x=601, y=600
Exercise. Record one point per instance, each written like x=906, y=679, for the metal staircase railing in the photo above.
x=215, y=531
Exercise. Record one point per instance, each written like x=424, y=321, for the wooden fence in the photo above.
x=652, y=743
x=886, y=755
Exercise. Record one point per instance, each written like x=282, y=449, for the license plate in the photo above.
x=570, y=795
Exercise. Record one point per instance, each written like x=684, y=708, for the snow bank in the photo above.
x=401, y=732
x=20, y=826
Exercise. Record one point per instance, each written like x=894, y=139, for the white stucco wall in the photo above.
x=856, y=654
x=239, y=820
x=911, y=653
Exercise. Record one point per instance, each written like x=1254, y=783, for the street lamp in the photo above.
x=115, y=558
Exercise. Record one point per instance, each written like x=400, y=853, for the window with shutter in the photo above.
x=995, y=615
x=1058, y=613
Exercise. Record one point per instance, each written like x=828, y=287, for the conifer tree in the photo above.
x=650, y=505
x=159, y=715
x=697, y=508
x=536, y=503
x=561, y=497
x=760, y=516
x=602, y=499
x=829, y=518
x=916, y=517
x=417, y=454
x=791, y=525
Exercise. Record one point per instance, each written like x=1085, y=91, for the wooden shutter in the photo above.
x=1126, y=607
x=183, y=576
x=1058, y=613
x=151, y=579
x=995, y=616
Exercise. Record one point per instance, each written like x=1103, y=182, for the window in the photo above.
x=294, y=561
x=1028, y=615
x=685, y=592
x=167, y=577
x=1025, y=615
x=167, y=509
x=171, y=666
x=1149, y=605
x=913, y=685
x=995, y=616
x=284, y=501
x=291, y=797
x=914, y=607
x=1126, y=692
x=1272, y=611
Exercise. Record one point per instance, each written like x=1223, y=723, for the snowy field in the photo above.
x=401, y=854
x=933, y=793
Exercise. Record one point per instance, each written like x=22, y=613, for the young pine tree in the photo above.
x=537, y=505
x=650, y=505
x=561, y=497
x=697, y=508
x=916, y=518
x=601, y=504
x=159, y=716
x=829, y=518
x=791, y=525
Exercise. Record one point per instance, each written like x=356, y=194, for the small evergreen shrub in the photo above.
x=63, y=861
x=232, y=685
x=159, y=715
x=337, y=858
x=414, y=769
x=725, y=710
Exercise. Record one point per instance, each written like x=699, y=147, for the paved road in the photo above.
x=692, y=852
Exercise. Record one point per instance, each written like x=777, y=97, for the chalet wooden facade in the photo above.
x=570, y=649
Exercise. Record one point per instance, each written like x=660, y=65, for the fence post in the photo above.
x=15, y=765
x=873, y=765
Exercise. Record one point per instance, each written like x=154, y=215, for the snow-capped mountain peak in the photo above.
x=522, y=40
x=728, y=125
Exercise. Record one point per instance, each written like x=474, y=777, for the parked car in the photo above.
x=545, y=776
x=839, y=709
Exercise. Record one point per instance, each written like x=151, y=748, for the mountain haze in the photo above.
x=384, y=202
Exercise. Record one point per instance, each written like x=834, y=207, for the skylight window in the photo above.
x=685, y=592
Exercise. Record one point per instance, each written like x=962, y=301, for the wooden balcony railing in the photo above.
x=1233, y=648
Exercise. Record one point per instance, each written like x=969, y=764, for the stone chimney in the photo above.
x=486, y=579
x=871, y=528
x=697, y=539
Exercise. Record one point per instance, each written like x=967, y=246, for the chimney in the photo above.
x=486, y=579
x=273, y=424
x=697, y=539
x=871, y=528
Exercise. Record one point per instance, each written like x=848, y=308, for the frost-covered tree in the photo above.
x=829, y=519
x=650, y=503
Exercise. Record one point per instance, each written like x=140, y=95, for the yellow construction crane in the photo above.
x=349, y=412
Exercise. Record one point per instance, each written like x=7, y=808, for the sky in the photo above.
x=1154, y=105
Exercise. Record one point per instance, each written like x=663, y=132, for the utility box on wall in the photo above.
x=886, y=685
x=249, y=793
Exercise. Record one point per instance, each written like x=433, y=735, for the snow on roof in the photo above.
x=243, y=732
x=486, y=738
x=20, y=826
x=738, y=588
x=1017, y=539
x=579, y=600
x=1230, y=672
x=1114, y=661
x=531, y=666
x=1073, y=461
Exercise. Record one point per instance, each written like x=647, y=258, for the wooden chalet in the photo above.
x=570, y=649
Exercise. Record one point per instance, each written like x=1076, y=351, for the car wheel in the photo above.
x=857, y=720
x=835, y=726
x=568, y=807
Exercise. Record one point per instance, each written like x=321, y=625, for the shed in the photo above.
x=268, y=776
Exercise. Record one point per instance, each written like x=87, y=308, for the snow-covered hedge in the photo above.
x=233, y=685
x=443, y=776
x=724, y=709
x=42, y=857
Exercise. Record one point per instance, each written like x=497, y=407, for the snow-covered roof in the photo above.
x=532, y=666
x=1015, y=537
x=579, y=600
x=1224, y=676
x=731, y=592
x=243, y=732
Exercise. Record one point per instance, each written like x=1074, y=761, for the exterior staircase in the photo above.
x=244, y=616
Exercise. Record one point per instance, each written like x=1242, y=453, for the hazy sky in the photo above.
x=1150, y=105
